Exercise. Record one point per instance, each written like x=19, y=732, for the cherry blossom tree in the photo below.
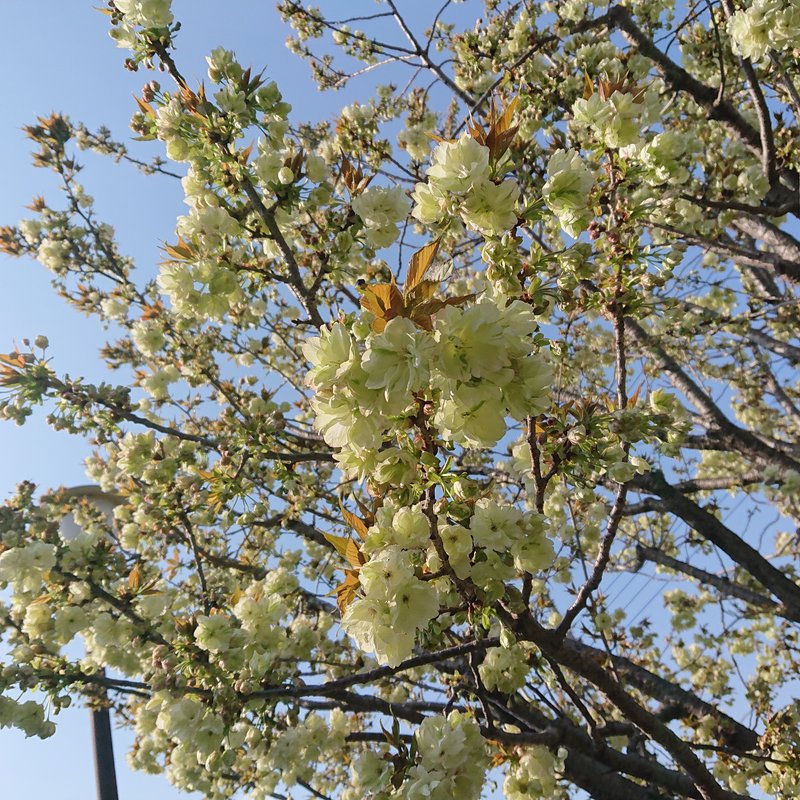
x=415, y=391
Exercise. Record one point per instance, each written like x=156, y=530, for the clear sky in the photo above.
x=57, y=56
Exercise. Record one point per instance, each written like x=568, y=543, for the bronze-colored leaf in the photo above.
x=339, y=543
x=498, y=143
x=504, y=123
x=499, y=757
x=368, y=513
x=385, y=301
x=476, y=131
x=347, y=590
x=135, y=577
x=439, y=139
x=421, y=293
x=16, y=359
x=348, y=549
x=429, y=307
x=297, y=162
x=355, y=522
x=42, y=598
x=459, y=300
x=153, y=311
x=353, y=177
x=145, y=108
x=180, y=252
x=354, y=556
x=420, y=263
x=189, y=98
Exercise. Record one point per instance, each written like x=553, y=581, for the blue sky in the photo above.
x=57, y=56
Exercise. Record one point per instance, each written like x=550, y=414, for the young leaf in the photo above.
x=588, y=86
x=347, y=590
x=420, y=298
x=439, y=139
x=504, y=123
x=42, y=598
x=347, y=548
x=339, y=543
x=356, y=523
x=476, y=131
x=135, y=577
x=420, y=263
x=385, y=301
x=180, y=252
x=145, y=108
x=634, y=397
x=368, y=513
x=354, y=556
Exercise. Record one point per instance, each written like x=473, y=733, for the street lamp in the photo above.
x=105, y=772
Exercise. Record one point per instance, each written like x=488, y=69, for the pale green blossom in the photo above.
x=490, y=208
x=381, y=209
x=430, y=203
x=398, y=361
x=568, y=189
x=147, y=13
x=458, y=166
x=765, y=25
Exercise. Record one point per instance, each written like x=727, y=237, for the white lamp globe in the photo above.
x=105, y=502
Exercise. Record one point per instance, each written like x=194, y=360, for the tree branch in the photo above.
x=710, y=528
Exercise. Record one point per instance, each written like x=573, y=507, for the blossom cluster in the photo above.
x=476, y=367
x=534, y=774
x=139, y=14
x=451, y=762
x=26, y=566
x=765, y=25
x=395, y=605
x=500, y=543
x=662, y=158
x=381, y=209
x=415, y=137
x=505, y=669
x=460, y=183
x=618, y=119
x=567, y=191
x=28, y=716
x=147, y=13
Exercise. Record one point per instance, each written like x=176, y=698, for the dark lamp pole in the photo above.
x=105, y=772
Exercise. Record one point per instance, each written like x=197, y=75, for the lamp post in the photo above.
x=105, y=772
